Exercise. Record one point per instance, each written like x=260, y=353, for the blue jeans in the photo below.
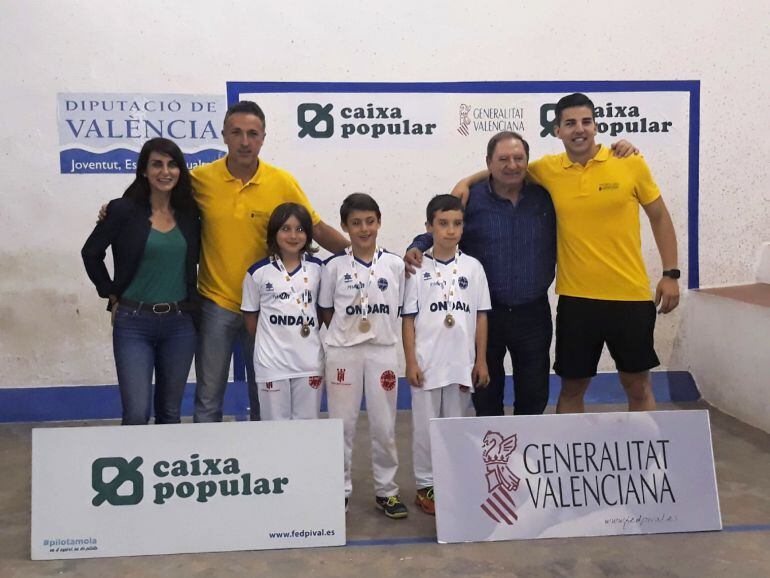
x=219, y=328
x=143, y=342
x=525, y=331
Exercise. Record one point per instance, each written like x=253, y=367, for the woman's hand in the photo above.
x=114, y=302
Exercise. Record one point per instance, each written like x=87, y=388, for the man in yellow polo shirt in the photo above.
x=236, y=195
x=604, y=292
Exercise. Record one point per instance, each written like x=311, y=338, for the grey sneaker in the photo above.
x=393, y=507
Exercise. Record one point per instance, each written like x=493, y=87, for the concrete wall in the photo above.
x=724, y=344
x=53, y=329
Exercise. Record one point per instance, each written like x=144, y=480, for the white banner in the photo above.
x=387, y=121
x=164, y=489
x=407, y=143
x=504, y=478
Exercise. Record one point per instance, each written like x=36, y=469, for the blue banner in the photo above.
x=77, y=161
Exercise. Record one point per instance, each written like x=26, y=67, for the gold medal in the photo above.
x=449, y=320
x=302, y=299
x=364, y=325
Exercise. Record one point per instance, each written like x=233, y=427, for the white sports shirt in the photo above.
x=340, y=291
x=280, y=351
x=446, y=355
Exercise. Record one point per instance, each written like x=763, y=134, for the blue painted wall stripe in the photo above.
x=103, y=401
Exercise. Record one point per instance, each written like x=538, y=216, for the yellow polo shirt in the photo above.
x=599, y=246
x=234, y=220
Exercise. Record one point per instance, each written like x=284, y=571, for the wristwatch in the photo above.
x=672, y=273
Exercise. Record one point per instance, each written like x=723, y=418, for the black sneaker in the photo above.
x=392, y=506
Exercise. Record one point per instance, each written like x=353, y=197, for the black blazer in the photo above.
x=126, y=229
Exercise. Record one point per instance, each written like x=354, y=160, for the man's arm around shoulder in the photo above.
x=329, y=238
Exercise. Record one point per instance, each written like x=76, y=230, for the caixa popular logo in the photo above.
x=118, y=481
x=612, y=118
x=323, y=121
x=124, y=488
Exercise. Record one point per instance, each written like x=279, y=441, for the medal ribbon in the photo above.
x=364, y=287
x=300, y=298
x=451, y=285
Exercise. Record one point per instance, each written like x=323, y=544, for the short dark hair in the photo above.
x=245, y=107
x=443, y=203
x=280, y=215
x=181, y=194
x=505, y=135
x=358, y=202
x=571, y=101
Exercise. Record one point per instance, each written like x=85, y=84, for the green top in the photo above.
x=160, y=277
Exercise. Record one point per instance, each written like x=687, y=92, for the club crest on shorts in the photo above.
x=388, y=380
x=463, y=282
x=315, y=381
x=501, y=481
x=341, y=375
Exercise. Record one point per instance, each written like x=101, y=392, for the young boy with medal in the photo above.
x=361, y=295
x=444, y=334
x=279, y=306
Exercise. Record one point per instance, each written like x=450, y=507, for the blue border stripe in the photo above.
x=748, y=528
x=103, y=401
x=693, y=186
x=393, y=541
x=432, y=539
x=236, y=88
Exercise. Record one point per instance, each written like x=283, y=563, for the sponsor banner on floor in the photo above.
x=104, y=132
x=167, y=489
x=520, y=477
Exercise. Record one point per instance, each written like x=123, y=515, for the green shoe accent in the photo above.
x=393, y=507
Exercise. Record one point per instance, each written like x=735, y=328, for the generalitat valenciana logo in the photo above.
x=496, y=450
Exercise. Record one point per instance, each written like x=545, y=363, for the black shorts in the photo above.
x=583, y=326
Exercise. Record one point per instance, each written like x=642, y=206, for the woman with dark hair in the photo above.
x=154, y=232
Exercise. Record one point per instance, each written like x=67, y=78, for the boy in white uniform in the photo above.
x=279, y=306
x=444, y=334
x=361, y=296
